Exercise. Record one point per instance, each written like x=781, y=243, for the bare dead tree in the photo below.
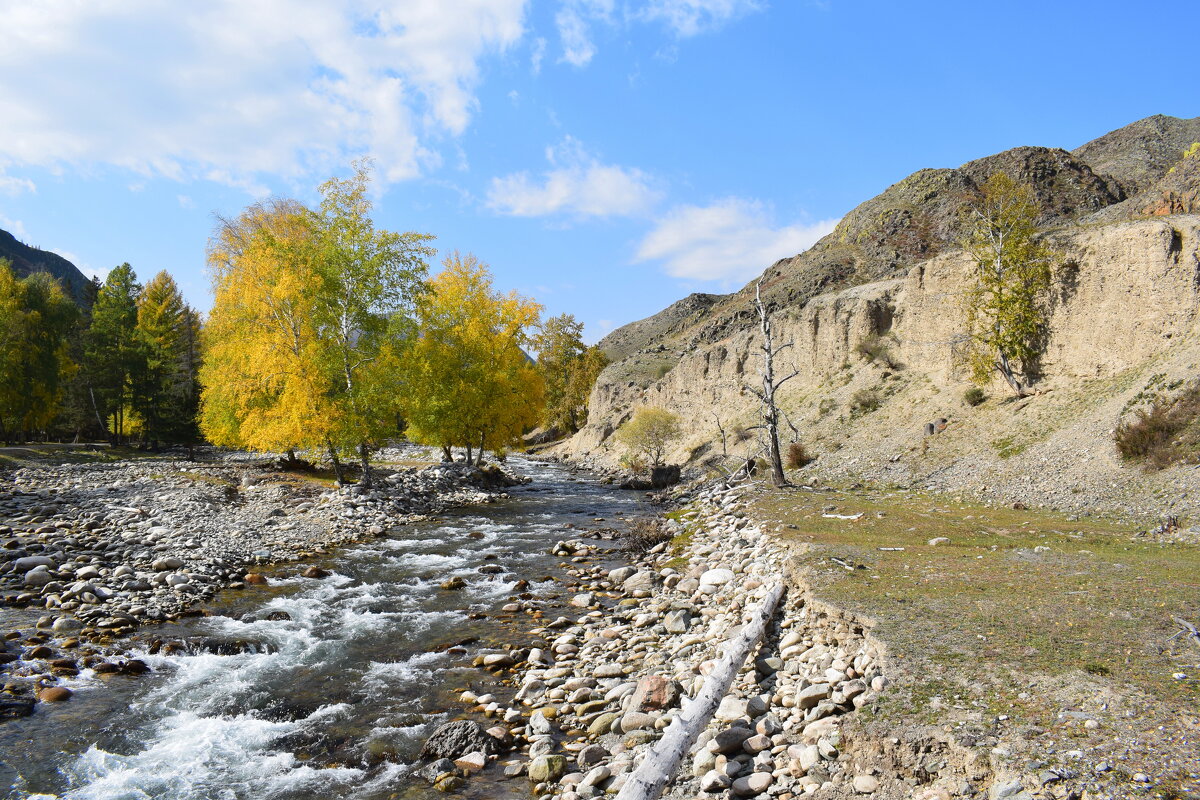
x=770, y=386
x=721, y=430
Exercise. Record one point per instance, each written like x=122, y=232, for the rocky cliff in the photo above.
x=1120, y=214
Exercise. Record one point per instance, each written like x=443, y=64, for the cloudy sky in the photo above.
x=605, y=156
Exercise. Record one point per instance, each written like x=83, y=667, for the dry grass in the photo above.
x=1012, y=593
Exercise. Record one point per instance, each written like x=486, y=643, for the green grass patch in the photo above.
x=1012, y=592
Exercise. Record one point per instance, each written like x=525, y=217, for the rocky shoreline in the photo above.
x=608, y=680
x=105, y=548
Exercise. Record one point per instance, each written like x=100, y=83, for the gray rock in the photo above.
x=730, y=740
x=458, y=738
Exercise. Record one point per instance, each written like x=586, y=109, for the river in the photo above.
x=338, y=680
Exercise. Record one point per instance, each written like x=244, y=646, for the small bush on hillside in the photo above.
x=974, y=396
x=878, y=350
x=865, y=401
x=797, y=456
x=1166, y=433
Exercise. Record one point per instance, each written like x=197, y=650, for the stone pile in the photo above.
x=103, y=547
x=600, y=691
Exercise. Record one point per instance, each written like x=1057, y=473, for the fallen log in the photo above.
x=655, y=772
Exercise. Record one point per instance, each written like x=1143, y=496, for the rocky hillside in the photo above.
x=27, y=260
x=1120, y=211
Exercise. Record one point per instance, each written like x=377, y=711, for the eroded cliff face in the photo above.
x=1126, y=295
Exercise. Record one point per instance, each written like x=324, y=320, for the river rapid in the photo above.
x=319, y=688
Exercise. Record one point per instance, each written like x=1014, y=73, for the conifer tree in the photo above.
x=113, y=351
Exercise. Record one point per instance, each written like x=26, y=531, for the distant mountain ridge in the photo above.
x=27, y=260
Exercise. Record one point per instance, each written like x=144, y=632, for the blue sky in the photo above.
x=604, y=156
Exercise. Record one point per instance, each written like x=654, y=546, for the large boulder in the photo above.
x=457, y=738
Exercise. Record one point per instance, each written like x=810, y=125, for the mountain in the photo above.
x=27, y=260
x=919, y=218
x=1123, y=214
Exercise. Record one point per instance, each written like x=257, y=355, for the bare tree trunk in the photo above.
x=724, y=441
x=770, y=409
x=364, y=455
x=1005, y=370
x=470, y=454
x=337, y=462
x=447, y=456
x=482, y=443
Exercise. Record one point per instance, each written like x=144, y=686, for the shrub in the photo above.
x=650, y=433
x=1165, y=433
x=797, y=456
x=645, y=532
x=974, y=396
x=865, y=401
x=878, y=349
x=633, y=462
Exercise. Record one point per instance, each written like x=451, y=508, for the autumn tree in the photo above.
x=1005, y=308
x=113, y=350
x=468, y=380
x=259, y=387
x=650, y=433
x=368, y=282
x=569, y=369
x=35, y=319
x=310, y=308
x=581, y=379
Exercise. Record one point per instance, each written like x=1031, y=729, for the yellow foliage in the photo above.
x=469, y=382
x=261, y=389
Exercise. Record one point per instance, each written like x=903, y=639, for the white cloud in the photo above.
x=185, y=201
x=690, y=17
x=226, y=90
x=14, y=226
x=539, y=53
x=13, y=186
x=578, y=185
x=576, y=19
x=730, y=240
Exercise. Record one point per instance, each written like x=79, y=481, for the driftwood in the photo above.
x=1187, y=630
x=661, y=763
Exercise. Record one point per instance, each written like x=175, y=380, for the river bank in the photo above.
x=868, y=682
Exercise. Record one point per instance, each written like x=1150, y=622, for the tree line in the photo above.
x=326, y=334
x=123, y=366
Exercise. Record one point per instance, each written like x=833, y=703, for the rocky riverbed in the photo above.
x=608, y=680
x=104, y=548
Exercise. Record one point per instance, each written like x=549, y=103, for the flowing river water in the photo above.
x=331, y=698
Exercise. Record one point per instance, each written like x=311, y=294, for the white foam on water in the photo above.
x=190, y=757
x=381, y=676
